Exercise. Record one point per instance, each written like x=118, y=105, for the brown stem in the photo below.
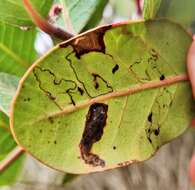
x=44, y=25
x=139, y=9
x=10, y=158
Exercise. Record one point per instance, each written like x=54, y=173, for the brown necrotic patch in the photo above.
x=91, y=41
x=94, y=127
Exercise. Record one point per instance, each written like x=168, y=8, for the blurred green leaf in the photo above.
x=96, y=16
x=151, y=8
x=84, y=14
x=8, y=86
x=13, y=12
x=7, y=144
x=4, y=120
x=16, y=49
x=178, y=10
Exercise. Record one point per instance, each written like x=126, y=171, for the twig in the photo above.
x=15, y=153
x=44, y=25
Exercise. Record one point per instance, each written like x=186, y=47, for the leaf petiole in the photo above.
x=15, y=153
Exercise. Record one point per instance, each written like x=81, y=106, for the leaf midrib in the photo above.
x=125, y=92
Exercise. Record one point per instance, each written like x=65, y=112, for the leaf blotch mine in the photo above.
x=94, y=126
x=93, y=41
x=115, y=69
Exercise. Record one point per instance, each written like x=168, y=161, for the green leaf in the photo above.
x=177, y=10
x=16, y=49
x=8, y=86
x=88, y=105
x=84, y=14
x=7, y=144
x=151, y=8
x=13, y=12
x=4, y=120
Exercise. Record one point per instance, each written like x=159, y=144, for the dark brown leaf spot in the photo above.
x=115, y=69
x=51, y=120
x=81, y=91
x=94, y=126
x=96, y=84
x=157, y=131
x=162, y=77
x=150, y=117
x=92, y=41
x=27, y=99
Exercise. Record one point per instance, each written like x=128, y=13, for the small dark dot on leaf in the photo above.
x=156, y=132
x=150, y=140
x=116, y=67
x=81, y=91
x=51, y=120
x=150, y=117
x=162, y=77
x=55, y=142
x=96, y=85
x=114, y=147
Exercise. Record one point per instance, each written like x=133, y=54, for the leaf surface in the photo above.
x=84, y=14
x=75, y=109
x=13, y=12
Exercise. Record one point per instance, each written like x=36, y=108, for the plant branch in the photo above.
x=15, y=153
x=44, y=25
